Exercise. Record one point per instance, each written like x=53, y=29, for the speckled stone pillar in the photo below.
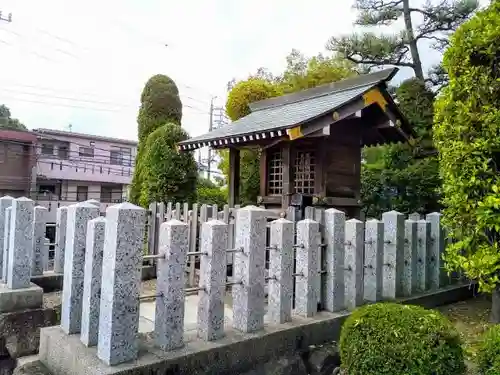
x=95, y=202
x=170, y=283
x=214, y=235
x=423, y=244
x=409, y=279
x=437, y=274
x=280, y=286
x=61, y=225
x=394, y=233
x=334, y=259
x=45, y=254
x=39, y=227
x=6, y=241
x=20, y=244
x=249, y=269
x=414, y=216
x=374, y=258
x=306, y=294
x=120, y=288
x=92, y=281
x=353, y=263
x=74, y=263
x=5, y=202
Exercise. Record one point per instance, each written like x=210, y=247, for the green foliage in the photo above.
x=169, y=175
x=7, y=122
x=389, y=338
x=210, y=193
x=370, y=49
x=403, y=177
x=160, y=106
x=301, y=73
x=488, y=358
x=467, y=136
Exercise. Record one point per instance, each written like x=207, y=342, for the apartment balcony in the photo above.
x=82, y=169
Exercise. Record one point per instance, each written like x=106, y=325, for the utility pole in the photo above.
x=8, y=19
x=210, y=128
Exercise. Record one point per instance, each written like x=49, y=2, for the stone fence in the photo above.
x=342, y=263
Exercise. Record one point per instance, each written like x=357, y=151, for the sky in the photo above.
x=85, y=63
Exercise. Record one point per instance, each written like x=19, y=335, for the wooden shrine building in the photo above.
x=311, y=141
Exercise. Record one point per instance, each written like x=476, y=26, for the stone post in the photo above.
x=61, y=225
x=334, y=259
x=39, y=228
x=5, y=202
x=6, y=241
x=409, y=279
x=74, y=263
x=280, y=287
x=249, y=269
x=45, y=257
x=353, y=263
x=414, y=216
x=92, y=281
x=214, y=235
x=423, y=244
x=20, y=244
x=437, y=274
x=169, y=315
x=120, y=287
x=306, y=294
x=394, y=232
x=374, y=258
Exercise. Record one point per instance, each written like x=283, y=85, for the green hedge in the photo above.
x=389, y=338
x=488, y=358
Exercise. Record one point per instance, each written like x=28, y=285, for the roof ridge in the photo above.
x=326, y=89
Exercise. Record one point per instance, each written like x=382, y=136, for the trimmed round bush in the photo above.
x=488, y=358
x=389, y=338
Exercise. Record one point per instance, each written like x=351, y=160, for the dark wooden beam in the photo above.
x=264, y=175
x=234, y=177
x=287, y=175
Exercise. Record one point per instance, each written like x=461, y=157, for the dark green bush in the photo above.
x=389, y=338
x=488, y=358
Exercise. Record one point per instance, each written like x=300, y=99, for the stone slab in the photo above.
x=58, y=350
x=21, y=329
x=20, y=299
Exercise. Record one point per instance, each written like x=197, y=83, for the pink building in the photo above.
x=74, y=167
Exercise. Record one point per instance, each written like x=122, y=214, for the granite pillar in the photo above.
x=39, y=228
x=374, y=258
x=5, y=202
x=414, y=216
x=6, y=241
x=394, y=233
x=45, y=254
x=437, y=274
x=306, y=293
x=120, y=286
x=353, y=263
x=409, y=279
x=249, y=269
x=280, y=286
x=92, y=281
x=61, y=225
x=423, y=244
x=334, y=259
x=170, y=283
x=20, y=244
x=74, y=264
x=214, y=235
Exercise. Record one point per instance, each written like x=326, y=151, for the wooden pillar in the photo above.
x=287, y=175
x=234, y=177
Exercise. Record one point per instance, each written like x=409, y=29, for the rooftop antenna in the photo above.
x=70, y=127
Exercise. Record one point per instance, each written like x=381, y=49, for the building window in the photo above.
x=62, y=152
x=304, y=173
x=275, y=174
x=47, y=149
x=120, y=156
x=82, y=193
x=87, y=152
x=111, y=194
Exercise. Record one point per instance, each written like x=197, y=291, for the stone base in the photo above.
x=236, y=353
x=50, y=281
x=20, y=299
x=21, y=330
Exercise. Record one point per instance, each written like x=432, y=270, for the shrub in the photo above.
x=488, y=358
x=389, y=338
